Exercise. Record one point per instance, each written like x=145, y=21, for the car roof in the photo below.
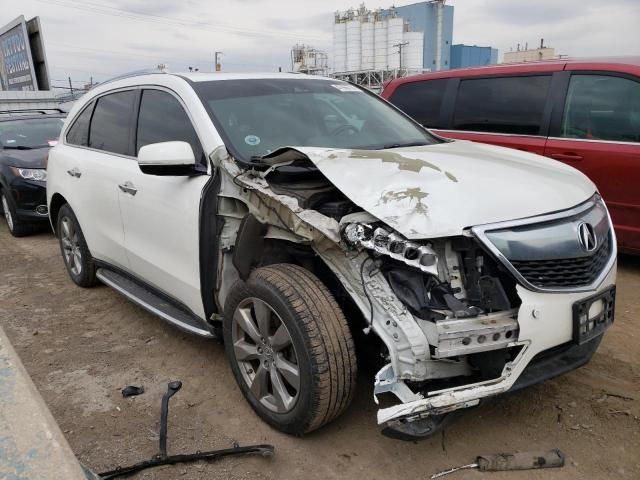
x=618, y=64
x=209, y=77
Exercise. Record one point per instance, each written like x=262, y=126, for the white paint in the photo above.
x=166, y=153
x=485, y=184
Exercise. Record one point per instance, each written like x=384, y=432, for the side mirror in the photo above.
x=168, y=158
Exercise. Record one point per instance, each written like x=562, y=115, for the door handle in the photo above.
x=74, y=172
x=566, y=156
x=127, y=187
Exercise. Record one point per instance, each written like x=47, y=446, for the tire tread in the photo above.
x=327, y=336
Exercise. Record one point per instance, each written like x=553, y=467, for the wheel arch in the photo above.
x=57, y=201
x=284, y=251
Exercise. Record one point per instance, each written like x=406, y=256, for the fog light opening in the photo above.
x=42, y=210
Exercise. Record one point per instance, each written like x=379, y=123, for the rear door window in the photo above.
x=602, y=107
x=502, y=104
x=78, y=134
x=422, y=101
x=111, y=124
x=162, y=119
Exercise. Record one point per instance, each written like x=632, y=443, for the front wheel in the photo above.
x=290, y=348
x=17, y=228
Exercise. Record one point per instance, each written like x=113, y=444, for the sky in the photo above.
x=97, y=39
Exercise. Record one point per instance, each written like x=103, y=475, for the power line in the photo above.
x=149, y=18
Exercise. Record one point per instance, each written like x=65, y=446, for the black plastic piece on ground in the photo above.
x=131, y=390
x=421, y=429
x=264, y=450
x=161, y=458
x=172, y=389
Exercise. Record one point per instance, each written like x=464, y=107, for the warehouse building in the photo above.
x=530, y=54
x=463, y=56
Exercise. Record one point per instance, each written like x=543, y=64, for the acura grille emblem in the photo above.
x=587, y=237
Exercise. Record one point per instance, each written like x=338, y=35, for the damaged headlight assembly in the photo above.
x=393, y=245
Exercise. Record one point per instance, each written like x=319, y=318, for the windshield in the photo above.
x=257, y=116
x=30, y=133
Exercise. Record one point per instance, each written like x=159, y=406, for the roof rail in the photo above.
x=43, y=111
x=135, y=73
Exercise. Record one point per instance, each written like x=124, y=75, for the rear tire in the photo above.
x=297, y=369
x=17, y=227
x=74, y=249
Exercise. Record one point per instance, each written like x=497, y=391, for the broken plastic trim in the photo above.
x=161, y=458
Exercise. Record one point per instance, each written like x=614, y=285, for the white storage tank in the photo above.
x=368, y=51
x=380, y=45
x=395, y=28
x=340, y=47
x=354, y=47
x=412, y=57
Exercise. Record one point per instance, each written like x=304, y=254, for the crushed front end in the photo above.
x=461, y=317
x=465, y=318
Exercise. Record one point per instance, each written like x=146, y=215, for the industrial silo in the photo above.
x=412, y=57
x=380, y=45
x=354, y=46
x=340, y=47
x=395, y=29
x=368, y=52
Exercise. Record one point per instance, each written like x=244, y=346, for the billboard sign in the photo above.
x=17, y=71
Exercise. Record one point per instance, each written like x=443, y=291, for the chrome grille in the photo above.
x=545, y=253
x=564, y=272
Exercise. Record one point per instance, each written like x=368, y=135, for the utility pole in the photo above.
x=218, y=67
x=399, y=47
x=70, y=86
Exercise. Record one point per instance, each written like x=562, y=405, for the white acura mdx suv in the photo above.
x=290, y=214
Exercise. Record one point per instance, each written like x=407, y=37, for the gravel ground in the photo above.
x=82, y=346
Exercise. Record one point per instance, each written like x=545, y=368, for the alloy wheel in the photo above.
x=265, y=355
x=7, y=213
x=69, y=238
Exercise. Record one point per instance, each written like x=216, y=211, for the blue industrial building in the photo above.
x=423, y=17
x=472, y=56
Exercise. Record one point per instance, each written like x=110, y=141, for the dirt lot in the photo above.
x=82, y=346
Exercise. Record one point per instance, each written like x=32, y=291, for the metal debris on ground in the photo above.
x=162, y=458
x=511, y=461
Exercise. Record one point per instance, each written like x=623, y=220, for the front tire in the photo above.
x=74, y=249
x=17, y=228
x=290, y=348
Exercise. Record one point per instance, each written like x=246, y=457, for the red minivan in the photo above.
x=585, y=113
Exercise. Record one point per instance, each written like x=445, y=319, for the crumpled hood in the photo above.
x=439, y=190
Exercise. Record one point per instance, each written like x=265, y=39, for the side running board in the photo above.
x=154, y=303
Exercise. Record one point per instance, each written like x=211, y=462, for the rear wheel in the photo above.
x=17, y=228
x=75, y=252
x=290, y=348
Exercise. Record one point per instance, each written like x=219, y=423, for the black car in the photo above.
x=25, y=140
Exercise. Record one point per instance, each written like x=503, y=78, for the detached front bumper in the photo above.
x=549, y=348
x=545, y=366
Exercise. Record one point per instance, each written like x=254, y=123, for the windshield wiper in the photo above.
x=18, y=147
x=399, y=145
